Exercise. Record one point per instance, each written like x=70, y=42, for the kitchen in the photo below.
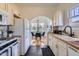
x=59, y=21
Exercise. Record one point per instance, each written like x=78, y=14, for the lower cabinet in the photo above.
x=62, y=48
x=58, y=47
x=54, y=46
x=50, y=41
x=15, y=50
x=72, y=51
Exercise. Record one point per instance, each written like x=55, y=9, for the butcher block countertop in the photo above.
x=74, y=44
x=69, y=40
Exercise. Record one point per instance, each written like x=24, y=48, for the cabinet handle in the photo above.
x=73, y=49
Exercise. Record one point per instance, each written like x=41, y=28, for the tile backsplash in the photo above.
x=3, y=28
x=75, y=26
x=76, y=31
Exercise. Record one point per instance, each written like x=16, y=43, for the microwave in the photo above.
x=3, y=17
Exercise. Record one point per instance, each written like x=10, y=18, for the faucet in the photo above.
x=71, y=34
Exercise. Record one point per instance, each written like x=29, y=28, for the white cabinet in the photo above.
x=6, y=7
x=15, y=50
x=58, y=18
x=11, y=10
x=58, y=47
x=10, y=19
x=72, y=51
x=50, y=40
x=2, y=6
x=50, y=43
x=62, y=48
x=54, y=46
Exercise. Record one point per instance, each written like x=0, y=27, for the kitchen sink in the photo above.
x=68, y=38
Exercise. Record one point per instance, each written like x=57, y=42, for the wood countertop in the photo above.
x=69, y=40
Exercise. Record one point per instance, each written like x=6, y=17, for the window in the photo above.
x=73, y=16
x=73, y=12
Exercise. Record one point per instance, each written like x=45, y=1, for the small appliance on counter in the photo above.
x=57, y=30
x=1, y=33
x=5, y=34
x=10, y=33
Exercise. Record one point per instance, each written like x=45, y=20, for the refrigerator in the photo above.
x=27, y=35
x=21, y=27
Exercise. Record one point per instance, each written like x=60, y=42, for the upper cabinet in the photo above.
x=58, y=18
x=11, y=10
x=2, y=6
x=15, y=11
x=10, y=20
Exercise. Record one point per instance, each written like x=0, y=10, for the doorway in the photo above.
x=42, y=25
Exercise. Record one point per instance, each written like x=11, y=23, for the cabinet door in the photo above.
x=2, y=6
x=72, y=51
x=54, y=46
x=15, y=50
x=58, y=18
x=10, y=15
x=62, y=48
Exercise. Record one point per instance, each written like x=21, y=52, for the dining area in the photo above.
x=38, y=39
x=39, y=29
